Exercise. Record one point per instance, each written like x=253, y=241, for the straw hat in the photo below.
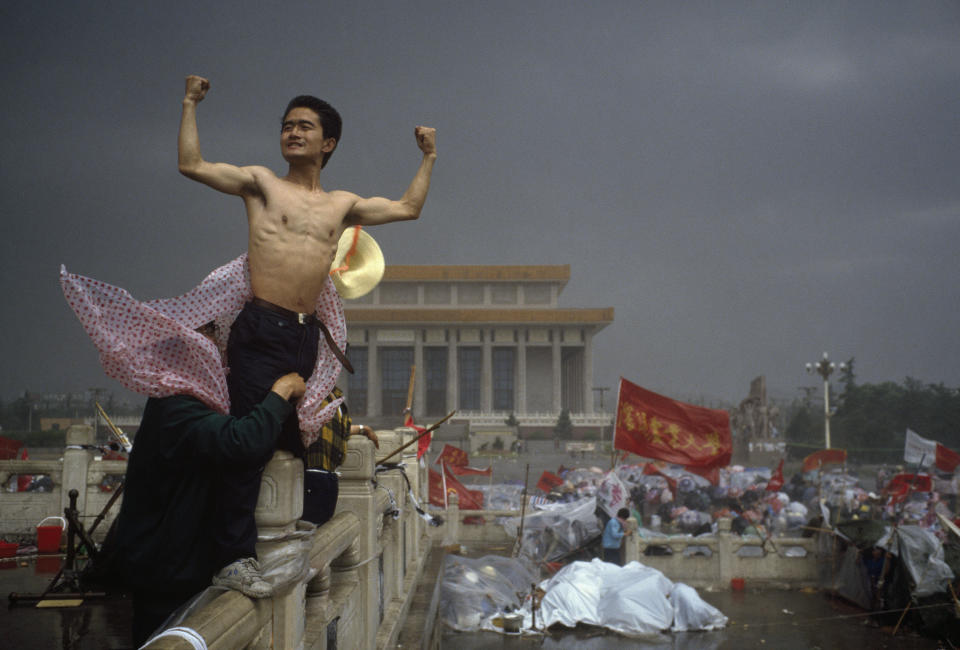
x=358, y=265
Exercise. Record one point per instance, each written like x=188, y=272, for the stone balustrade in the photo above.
x=364, y=562
x=78, y=470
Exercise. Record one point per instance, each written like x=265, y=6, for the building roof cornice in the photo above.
x=477, y=273
x=418, y=316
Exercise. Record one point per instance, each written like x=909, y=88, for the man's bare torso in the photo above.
x=293, y=235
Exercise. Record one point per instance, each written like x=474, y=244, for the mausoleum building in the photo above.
x=487, y=341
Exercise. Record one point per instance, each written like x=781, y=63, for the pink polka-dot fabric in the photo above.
x=152, y=348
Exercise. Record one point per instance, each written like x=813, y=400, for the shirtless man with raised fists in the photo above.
x=294, y=228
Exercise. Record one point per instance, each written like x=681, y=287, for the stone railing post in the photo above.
x=76, y=463
x=357, y=496
x=391, y=541
x=279, y=506
x=452, y=534
x=725, y=550
x=413, y=527
x=632, y=542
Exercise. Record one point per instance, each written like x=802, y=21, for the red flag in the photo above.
x=947, y=459
x=469, y=499
x=655, y=426
x=423, y=443
x=436, y=488
x=24, y=480
x=548, y=481
x=652, y=470
x=712, y=474
x=776, y=481
x=9, y=448
x=462, y=470
x=903, y=484
x=824, y=457
x=453, y=456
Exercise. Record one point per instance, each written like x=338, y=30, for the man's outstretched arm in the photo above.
x=220, y=176
x=377, y=210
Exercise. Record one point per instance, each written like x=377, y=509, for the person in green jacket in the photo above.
x=166, y=548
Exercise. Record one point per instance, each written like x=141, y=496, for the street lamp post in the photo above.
x=825, y=368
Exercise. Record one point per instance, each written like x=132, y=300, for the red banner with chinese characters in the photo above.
x=655, y=426
x=452, y=456
x=776, y=481
x=548, y=481
x=824, y=457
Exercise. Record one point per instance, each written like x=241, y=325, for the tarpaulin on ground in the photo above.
x=655, y=426
x=634, y=600
x=922, y=554
x=474, y=589
x=554, y=530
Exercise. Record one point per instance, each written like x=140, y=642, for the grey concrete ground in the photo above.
x=781, y=620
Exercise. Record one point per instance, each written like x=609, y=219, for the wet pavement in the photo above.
x=805, y=620
x=97, y=624
x=758, y=619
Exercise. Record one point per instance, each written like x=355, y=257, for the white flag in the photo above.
x=917, y=449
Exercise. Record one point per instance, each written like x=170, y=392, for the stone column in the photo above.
x=357, y=496
x=76, y=464
x=391, y=541
x=521, y=406
x=453, y=367
x=420, y=383
x=373, y=377
x=279, y=506
x=414, y=524
x=588, y=372
x=557, y=362
x=451, y=536
x=486, y=373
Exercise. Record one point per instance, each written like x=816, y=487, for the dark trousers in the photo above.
x=263, y=346
x=320, y=492
x=151, y=609
x=612, y=555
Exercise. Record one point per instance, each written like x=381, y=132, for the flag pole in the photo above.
x=413, y=375
x=523, y=512
x=613, y=428
x=430, y=429
x=443, y=468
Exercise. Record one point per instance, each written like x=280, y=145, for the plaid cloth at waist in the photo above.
x=330, y=447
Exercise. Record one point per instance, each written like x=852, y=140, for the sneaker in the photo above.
x=243, y=575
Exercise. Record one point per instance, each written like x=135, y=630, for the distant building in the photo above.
x=487, y=341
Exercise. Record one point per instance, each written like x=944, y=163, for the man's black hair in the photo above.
x=623, y=513
x=330, y=120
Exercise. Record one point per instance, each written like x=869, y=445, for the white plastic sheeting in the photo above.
x=554, y=530
x=634, y=600
x=922, y=553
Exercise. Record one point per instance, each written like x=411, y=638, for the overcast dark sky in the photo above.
x=747, y=184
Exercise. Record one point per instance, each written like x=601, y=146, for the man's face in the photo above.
x=301, y=136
